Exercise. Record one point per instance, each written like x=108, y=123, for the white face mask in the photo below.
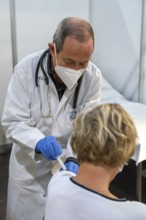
x=67, y=75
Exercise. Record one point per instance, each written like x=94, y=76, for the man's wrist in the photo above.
x=71, y=159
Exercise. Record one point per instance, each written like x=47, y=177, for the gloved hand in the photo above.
x=72, y=166
x=49, y=147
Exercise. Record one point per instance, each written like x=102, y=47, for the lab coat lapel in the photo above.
x=64, y=100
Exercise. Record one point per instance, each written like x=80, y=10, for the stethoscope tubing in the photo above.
x=40, y=65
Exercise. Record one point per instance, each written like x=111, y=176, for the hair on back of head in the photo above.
x=105, y=135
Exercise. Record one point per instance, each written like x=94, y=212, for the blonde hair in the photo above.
x=105, y=135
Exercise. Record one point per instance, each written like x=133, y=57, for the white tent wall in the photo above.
x=35, y=23
x=5, y=55
x=117, y=27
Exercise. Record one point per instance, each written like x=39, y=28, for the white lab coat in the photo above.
x=26, y=120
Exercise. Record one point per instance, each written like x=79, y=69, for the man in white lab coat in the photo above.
x=39, y=110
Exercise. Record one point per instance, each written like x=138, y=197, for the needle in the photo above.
x=61, y=163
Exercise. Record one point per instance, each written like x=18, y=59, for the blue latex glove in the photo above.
x=72, y=166
x=49, y=147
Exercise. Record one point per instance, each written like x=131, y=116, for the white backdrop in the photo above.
x=117, y=27
x=5, y=55
x=36, y=21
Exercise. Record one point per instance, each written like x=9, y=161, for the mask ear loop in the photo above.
x=122, y=166
x=55, y=54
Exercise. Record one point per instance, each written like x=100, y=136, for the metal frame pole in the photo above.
x=139, y=182
x=13, y=32
x=141, y=91
x=142, y=52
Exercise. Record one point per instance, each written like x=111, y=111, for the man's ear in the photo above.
x=51, y=48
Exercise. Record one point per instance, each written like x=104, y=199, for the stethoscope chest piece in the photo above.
x=73, y=114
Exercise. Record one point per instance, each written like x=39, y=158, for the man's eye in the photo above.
x=84, y=64
x=69, y=62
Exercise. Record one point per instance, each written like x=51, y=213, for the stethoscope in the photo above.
x=74, y=111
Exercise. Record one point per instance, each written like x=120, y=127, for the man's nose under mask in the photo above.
x=67, y=75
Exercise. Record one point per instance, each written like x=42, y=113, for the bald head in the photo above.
x=75, y=27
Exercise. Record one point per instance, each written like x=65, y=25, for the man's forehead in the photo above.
x=68, y=59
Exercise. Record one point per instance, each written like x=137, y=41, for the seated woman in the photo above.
x=103, y=139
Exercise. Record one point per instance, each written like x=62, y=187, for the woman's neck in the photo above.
x=97, y=178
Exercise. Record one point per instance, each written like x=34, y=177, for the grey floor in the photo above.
x=124, y=184
x=4, y=159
